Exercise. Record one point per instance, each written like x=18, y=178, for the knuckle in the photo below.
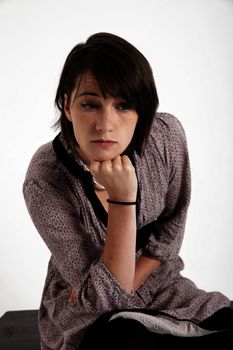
x=117, y=167
x=125, y=158
x=128, y=168
x=106, y=169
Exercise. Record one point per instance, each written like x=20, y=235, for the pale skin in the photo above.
x=103, y=127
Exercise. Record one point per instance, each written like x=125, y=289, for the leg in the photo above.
x=123, y=334
x=221, y=319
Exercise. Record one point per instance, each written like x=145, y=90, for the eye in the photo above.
x=123, y=106
x=88, y=106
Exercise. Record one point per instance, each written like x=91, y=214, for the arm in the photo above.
x=119, y=250
x=143, y=268
x=119, y=178
x=167, y=231
x=129, y=274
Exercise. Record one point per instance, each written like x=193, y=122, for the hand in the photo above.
x=117, y=176
x=73, y=296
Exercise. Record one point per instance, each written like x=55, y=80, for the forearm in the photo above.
x=119, y=250
x=144, y=267
x=118, y=176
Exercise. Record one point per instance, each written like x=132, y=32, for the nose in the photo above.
x=105, y=120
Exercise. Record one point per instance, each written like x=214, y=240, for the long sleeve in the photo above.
x=168, y=229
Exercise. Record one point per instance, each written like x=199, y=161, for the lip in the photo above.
x=104, y=143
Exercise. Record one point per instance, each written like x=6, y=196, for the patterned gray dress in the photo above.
x=72, y=222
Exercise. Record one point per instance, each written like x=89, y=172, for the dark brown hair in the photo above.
x=120, y=70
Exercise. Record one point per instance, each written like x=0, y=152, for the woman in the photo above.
x=109, y=196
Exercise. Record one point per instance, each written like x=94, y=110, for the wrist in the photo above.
x=122, y=197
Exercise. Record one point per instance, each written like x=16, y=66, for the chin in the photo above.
x=104, y=158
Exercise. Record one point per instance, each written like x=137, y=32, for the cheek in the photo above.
x=77, y=132
x=133, y=127
x=82, y=132
x=128, y=133
x=78, y=127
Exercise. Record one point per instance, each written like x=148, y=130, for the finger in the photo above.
x=126, y=161
x=116, y=160
x=116, y=163
x=105, y=166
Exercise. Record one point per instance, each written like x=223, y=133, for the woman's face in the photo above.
x=103, y=126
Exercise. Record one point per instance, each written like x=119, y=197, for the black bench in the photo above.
x=19, y=330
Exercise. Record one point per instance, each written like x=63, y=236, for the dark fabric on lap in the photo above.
x=120, y=334
x=130, y=334
x=221, y=319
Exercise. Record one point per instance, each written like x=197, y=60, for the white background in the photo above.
x=189, y=44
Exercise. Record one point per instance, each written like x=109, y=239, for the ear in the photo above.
x=67, y=108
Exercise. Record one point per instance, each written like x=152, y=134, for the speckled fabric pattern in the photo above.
x=70, y=219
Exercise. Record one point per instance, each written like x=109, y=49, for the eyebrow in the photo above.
x=89, y=93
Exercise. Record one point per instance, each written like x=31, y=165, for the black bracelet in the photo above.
x=121, y=203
